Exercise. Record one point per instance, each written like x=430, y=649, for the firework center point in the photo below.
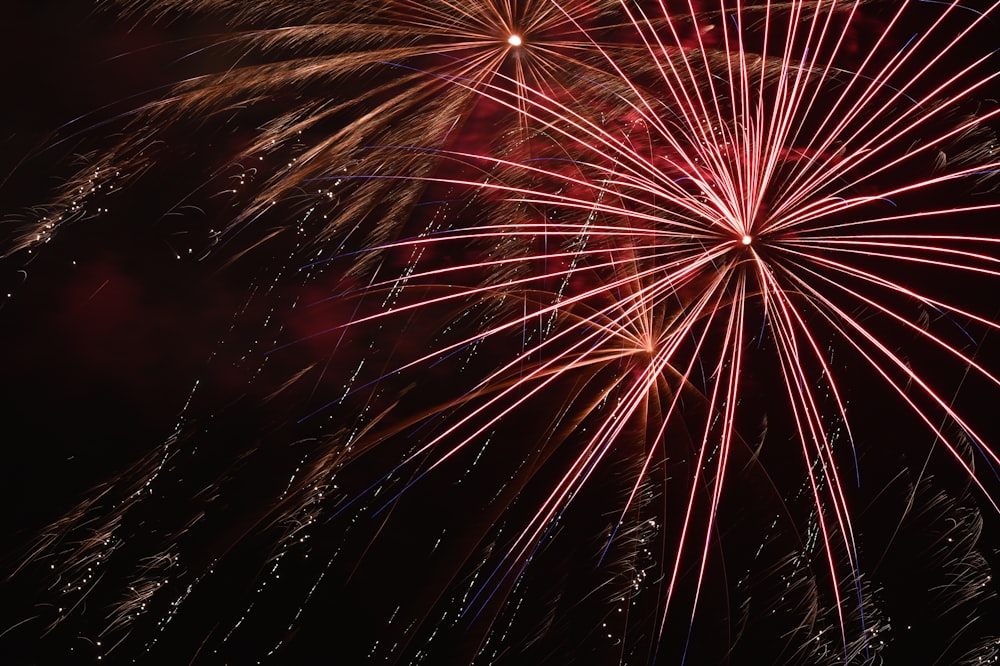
x=747, y=239
x=514, y=40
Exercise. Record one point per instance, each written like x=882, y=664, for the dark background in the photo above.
x=105, y=331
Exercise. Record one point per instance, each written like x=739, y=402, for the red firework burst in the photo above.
x=566, y=257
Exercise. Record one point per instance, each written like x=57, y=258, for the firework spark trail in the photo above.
x=601, y=442
x=805, y=409
x=896, y=360
x=606, y=435
x=644, y=298
x=395, y=59
x=873, y=146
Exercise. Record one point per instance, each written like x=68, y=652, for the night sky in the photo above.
x=109, y=319
x=109, y=327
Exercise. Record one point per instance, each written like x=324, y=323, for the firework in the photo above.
x=559, y=287
x=333, y=86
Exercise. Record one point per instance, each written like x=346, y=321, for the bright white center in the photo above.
x=747, y=240
x=514, y=40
